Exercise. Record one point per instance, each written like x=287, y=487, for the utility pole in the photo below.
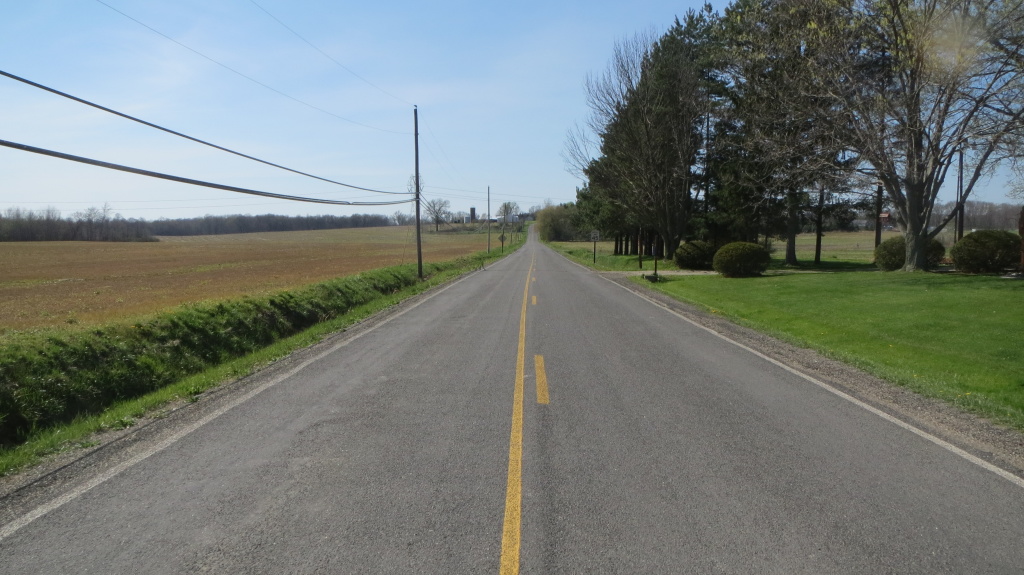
x=488, y=219
x=958, y=230
x=416, y=140
x=878, y=215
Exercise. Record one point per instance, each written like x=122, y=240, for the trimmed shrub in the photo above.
x=741, y=259
x=891, y=254
x=986, y=251
x=936, y=251
x=696, y=255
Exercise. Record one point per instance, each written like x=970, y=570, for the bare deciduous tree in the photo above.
x=917, y=82
x=507, y=210
x=437, y=211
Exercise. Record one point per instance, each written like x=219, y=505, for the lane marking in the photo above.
x=542, y=380
x=534, y=300
x=511, y=530
x=1018, y=481
x=54, y=504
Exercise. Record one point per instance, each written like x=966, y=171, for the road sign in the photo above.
x=595, y=236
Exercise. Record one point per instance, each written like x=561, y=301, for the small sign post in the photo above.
x=595, y=236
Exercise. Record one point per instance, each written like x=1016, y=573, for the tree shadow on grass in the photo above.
x=825, y=266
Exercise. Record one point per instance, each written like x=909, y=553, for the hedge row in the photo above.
x=51, y=379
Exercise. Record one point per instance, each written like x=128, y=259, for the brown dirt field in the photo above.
x=47, y=284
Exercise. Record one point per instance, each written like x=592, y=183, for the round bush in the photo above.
x=986, y=251
x=891, y=254
x=696, y=255
x=741, y=259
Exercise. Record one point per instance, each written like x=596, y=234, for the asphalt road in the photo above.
x=421, y=443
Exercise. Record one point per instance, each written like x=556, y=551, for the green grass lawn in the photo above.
x=583, y=252
x=949, y=336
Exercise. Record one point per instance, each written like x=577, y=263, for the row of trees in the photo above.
x=750, y=123
x=236, y=224
x=93, y=224
x=982, y=215
x=101, y=224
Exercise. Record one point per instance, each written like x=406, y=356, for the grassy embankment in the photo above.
x=59, y=385
x=950, y=336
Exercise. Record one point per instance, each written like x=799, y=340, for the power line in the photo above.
x=441, y=148
x=187, y=137
x=328, y=56
x=482, y=192
x=158, y=175
x=369, y=83
x=251, y=79
x=439, y=163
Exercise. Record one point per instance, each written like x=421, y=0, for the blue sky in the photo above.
x=497, y=85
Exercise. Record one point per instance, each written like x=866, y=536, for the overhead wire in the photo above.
x=328, y=56
x=250, y=78
x=441, y=148
x=232, y=188
x=187, y=137
x=503, y=195
x=440, y=163
x=190, y=181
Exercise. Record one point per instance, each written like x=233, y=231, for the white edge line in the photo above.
x=12, y=527
x=894, y=420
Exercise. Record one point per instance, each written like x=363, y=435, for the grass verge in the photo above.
x=123, y=412
x=947, y=336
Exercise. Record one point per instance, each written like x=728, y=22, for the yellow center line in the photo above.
x=514, y=492
x=534, y=300
x=542, y=379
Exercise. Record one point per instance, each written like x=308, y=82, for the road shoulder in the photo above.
x=995, y=444
x=23, y=491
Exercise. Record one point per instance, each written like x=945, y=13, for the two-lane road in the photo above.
x=530, y=418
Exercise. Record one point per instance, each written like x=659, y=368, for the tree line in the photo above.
x=101, y=224
x=237, y=224
x=779, y=115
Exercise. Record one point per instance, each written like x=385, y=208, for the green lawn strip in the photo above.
x=583, y=252
x=947, y=336
x=47, y=440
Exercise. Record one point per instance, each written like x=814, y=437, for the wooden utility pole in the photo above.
x=958, y=231
x=488, y=219
x=416, y=140
x=819, y=222
x=1020, y=230
x=878, y=215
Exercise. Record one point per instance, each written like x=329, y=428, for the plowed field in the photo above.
x=88, y=283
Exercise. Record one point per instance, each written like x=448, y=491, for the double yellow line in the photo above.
x=510, y=538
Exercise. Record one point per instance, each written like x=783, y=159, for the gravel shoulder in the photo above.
x=996, y=444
